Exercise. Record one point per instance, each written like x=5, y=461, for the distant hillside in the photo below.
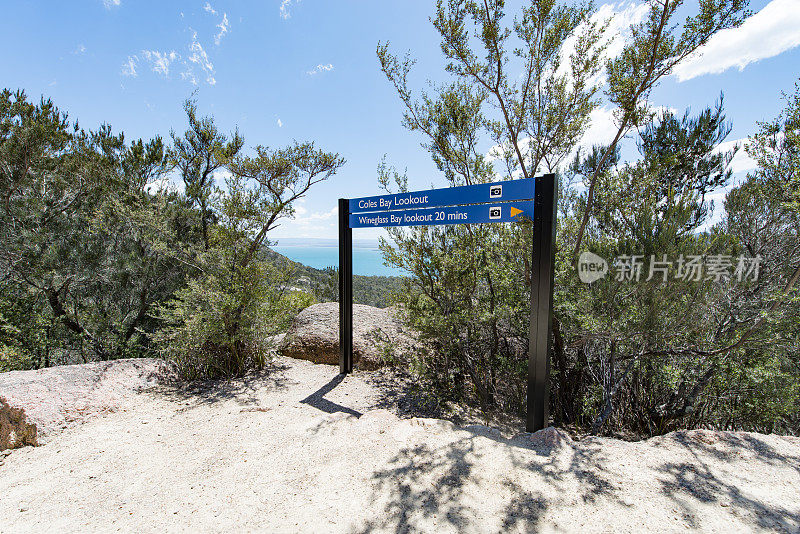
x=375, y=291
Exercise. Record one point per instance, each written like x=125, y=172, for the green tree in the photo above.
x=658, y=45
x=215, y=325
x=517, y=87
x=95, y=242
x=466, y=308
x=625, y=333
x=776, y=148
x=666, y=354
x=72, y=246
x=198, y=154
x=759, y=385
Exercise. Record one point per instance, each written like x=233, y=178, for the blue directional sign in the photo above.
x=499, y=202
x=483, y=213
x=448, y=196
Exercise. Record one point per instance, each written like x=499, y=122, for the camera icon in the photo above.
x=496, y=191
x=495, y=212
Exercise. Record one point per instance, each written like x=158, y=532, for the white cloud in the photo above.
x=619, y=17
x=129, y=67
x=302, y=217
x=222, y=175
x=306, y=223
x=111, y=3
x=771, y=31
x=80, y=50
x=285, y=5
x=741, y=162
x=325, y=216
x=280, y=123
x=189, y=76
x=200, y=57
x=320, y=68
x=601, y=131
x=194, y=63
x=159, y=61
x=165, y=184
x=223, y=26
x=602, y=128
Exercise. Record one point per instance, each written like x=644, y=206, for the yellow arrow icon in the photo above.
x=515, y=211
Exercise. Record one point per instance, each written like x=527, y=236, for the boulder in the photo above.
x=36, y=405
x=378, y=336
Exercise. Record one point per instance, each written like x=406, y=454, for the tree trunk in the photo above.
x=60, y=313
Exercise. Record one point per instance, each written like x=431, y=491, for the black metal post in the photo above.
x=540, y=342
x=345, y=288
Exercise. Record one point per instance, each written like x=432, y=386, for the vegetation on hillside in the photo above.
x=323, y=284
x=639, y=351
x=99, y=261
x=102, y=257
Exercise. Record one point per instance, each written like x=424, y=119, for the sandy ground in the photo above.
x=296, y=449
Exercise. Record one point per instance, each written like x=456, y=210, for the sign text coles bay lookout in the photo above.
x=532, y=199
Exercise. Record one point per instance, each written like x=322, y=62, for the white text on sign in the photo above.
x=405, y=219
x=386, y=203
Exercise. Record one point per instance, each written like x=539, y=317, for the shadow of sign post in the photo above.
x=533, y=199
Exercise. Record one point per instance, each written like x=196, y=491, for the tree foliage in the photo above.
x=216, y=325
x=776, y=148
x=647, y=357
x=77, y=229
x=101, y=259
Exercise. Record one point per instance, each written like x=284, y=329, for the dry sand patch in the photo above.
x=298, y=448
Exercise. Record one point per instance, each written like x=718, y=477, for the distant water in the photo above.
x=321, y=253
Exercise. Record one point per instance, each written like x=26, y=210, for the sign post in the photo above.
x=345, y=289
x=514, y=200
x=541, y=324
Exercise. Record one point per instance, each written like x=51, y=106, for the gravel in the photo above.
x=297, y=448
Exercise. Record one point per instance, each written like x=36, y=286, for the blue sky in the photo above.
x=306, y=70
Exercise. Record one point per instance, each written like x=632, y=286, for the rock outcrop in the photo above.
x=378, y=336
x=35, y=405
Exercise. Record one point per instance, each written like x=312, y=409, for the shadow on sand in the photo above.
x=685, y=482
x=424, y=481
x=318, y=400
x=243, y=390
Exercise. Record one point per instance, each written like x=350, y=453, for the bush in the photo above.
x=220, y=324
x=212, y=325
x=217, y=326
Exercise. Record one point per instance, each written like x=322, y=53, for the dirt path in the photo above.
x=296, y=449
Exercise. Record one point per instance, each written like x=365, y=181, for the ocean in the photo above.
x=321, y=253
